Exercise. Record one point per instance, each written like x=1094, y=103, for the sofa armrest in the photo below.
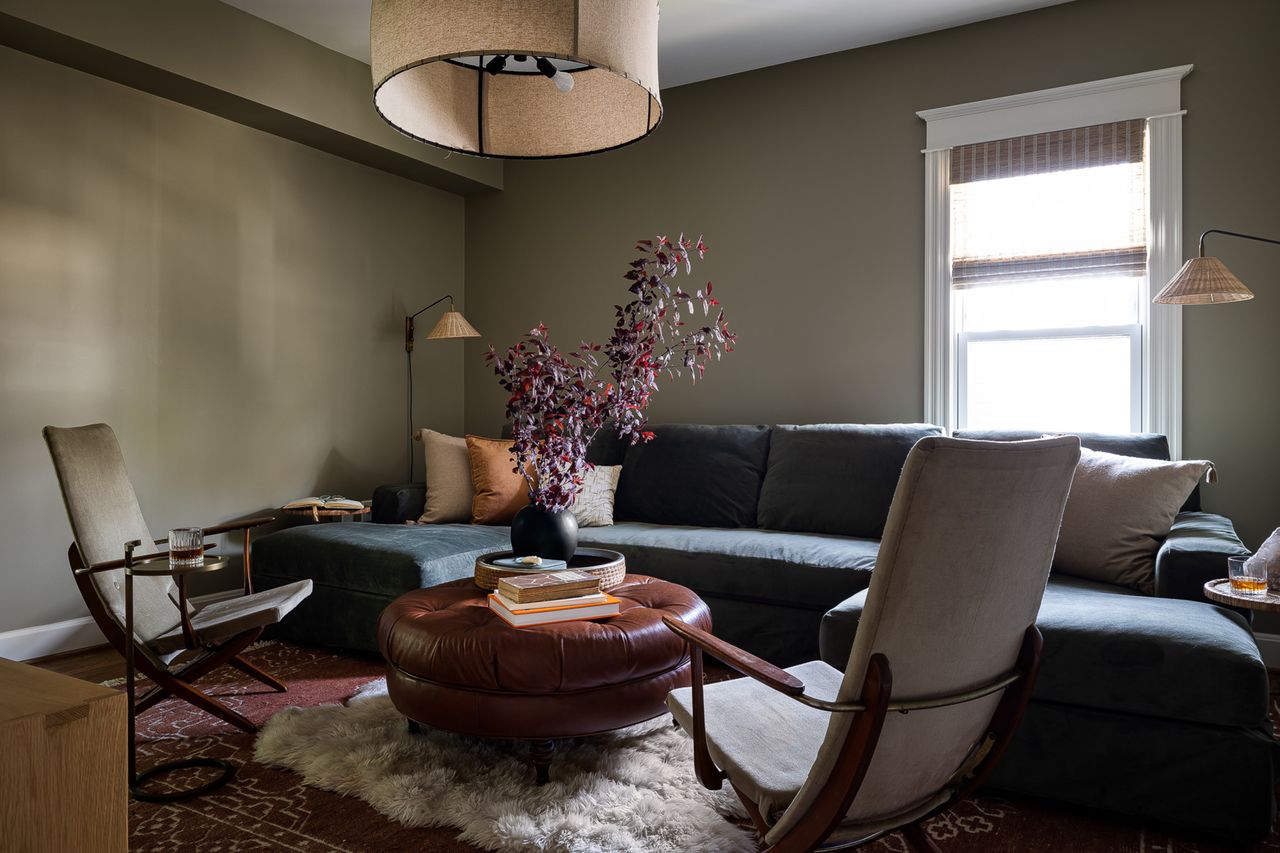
x=1195, y=551
x=398, y=503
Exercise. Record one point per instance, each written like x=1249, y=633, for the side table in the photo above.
x=318, y=514
x=152, y=567
x=1220, y=591
x=63, y=783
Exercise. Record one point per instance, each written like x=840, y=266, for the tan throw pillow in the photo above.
x=448, y=479
x=1119, y=511
x=500, y=491
x=594, y=504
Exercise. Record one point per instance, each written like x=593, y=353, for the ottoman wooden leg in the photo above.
x=541, y=753
x=414, y=727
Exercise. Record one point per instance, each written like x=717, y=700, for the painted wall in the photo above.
x=231, y=302
x=807, y=180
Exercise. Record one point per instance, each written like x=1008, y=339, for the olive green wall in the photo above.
x=230, y=301
x=807, y=180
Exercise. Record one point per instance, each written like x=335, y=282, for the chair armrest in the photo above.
x=247, y=524
x=1195, y=551
x=398, y=503
x=734, y=657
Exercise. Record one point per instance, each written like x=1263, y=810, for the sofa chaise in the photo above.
x=1152, y=705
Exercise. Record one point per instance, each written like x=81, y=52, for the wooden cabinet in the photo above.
x=63, y=763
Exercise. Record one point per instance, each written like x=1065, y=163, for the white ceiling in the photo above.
x=700, y=39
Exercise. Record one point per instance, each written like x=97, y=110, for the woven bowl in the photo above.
x=609, y=566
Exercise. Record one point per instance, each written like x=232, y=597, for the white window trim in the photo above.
x=1154, y=95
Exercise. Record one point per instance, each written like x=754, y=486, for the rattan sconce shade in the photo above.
x=425, y=95
x=1203, y=281
x=452, y=325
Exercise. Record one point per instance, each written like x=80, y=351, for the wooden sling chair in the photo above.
x=105, y=518
x=943, y=660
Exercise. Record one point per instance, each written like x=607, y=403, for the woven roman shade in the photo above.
x=1016, y=217
x=1057, y=151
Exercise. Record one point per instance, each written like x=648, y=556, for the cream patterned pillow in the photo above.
x=594, y=506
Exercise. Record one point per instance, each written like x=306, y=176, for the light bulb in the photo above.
x=563, y=81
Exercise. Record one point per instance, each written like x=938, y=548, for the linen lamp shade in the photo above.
x=430, y=82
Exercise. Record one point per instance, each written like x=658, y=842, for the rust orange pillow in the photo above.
x=500, y=491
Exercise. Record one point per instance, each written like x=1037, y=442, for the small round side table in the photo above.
x=159, y=567
x=1220, y=591
x=318, y=514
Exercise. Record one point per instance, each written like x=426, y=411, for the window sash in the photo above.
x=1132, y=331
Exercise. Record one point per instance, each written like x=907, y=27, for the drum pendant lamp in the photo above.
x=517, y=78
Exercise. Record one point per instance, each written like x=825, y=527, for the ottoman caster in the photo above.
x=415, y=728
x=541, y=753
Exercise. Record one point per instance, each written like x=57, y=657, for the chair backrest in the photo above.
x=104, y=515
x=959, y=578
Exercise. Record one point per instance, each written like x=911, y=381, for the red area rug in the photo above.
x=270, y=809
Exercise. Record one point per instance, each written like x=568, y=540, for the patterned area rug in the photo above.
x=271, y=809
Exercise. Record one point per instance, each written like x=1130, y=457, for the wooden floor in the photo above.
x=96, y=664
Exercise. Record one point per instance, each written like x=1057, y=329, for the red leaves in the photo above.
x=559, y=400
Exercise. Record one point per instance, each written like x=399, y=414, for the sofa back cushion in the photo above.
x=835, y=478
x=704, y=476
x=1143, y=445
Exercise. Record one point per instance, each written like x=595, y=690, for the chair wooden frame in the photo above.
x=179, y=682
x=859, y=746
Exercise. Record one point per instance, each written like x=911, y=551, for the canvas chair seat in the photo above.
x=222, y=620
x=766, y=741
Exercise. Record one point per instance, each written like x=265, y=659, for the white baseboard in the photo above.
x=1269, y=646
x=58, y=638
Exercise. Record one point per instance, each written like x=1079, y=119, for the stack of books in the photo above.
x=545, y=598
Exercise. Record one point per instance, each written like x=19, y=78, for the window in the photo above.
x=1047, y=215
x=1049, y=255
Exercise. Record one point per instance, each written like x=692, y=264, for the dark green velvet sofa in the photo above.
x=1154, y=706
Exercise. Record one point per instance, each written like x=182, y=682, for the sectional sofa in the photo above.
x=1152, y=705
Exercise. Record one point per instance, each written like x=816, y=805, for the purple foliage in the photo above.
x=560, y=400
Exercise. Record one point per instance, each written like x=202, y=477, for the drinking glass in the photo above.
x=186, y=547
x=1247, y=577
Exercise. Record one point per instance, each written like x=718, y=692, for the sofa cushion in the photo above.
x=707, y=476
x=1144, y=445
x=835, y=478
x=381, y=559
x=805, y=570
x=1114, y=649
x=1120, y=509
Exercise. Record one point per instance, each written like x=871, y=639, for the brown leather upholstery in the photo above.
x=454, y=665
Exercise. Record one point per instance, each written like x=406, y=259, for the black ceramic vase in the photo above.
x=549, y=535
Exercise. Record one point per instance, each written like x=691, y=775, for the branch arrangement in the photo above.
x=560, y=400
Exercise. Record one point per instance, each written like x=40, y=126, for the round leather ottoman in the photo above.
x=454, y=665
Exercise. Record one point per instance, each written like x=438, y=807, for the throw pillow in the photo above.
x=448, y=479
x=500, y=491
x=1119, y=510
x=594, y=504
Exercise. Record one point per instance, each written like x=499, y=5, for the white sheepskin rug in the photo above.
x=631, y=790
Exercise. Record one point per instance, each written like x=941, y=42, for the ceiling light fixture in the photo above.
x=447, y=72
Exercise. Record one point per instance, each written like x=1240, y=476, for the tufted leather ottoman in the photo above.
x=454, y=665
